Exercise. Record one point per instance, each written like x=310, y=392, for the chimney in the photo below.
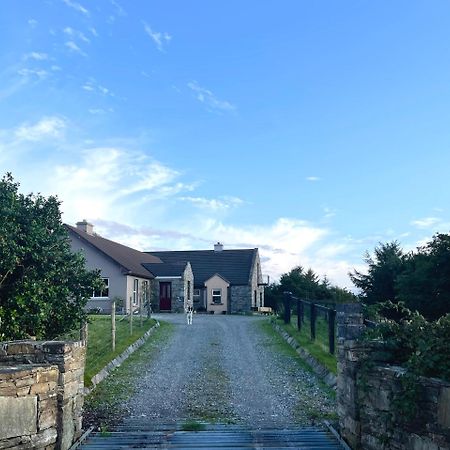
x=218, y=247
x=86, y=227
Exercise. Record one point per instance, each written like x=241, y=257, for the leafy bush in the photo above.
x=419, y=345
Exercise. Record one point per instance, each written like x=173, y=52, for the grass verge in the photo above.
x=99, y=349
x=318, y=348
x=104, y=407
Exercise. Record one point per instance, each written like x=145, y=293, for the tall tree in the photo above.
x=378, y=285
x=43, y=285
x=425, y=283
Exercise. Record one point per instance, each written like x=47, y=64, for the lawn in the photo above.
x=99, y=349
x=318, y=348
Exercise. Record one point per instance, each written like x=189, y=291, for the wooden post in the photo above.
x=84, y=332
x=140, y=310
x=331, y=336
x=312, y=319
x=131, y=316
x=287, y=307
x=113, y=325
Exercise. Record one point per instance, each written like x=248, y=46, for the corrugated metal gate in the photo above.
x=223, y=437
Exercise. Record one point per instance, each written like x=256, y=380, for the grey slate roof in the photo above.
x=234, y=265
x=165, y=270
x=129, y=258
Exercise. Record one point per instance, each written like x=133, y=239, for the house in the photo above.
x=126, y=279
x=217, y=281
x=225, y=281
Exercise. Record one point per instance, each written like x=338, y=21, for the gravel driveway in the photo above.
x=227, y=369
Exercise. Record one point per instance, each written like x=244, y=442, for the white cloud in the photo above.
x=75, y=34
x=119, y=10
x=92, y=86
x=159, y=38
x=426, y=222
x=48, y=127
x=312, y=178
x=32, y=23
x=74, y=48
x=77, y=7
x=93, y=31
x=37, y=56
x=100, y=111
x=206, y=97
x=214, y=204
x=33, y=73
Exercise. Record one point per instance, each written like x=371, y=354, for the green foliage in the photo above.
x=305, y=284
x=420, y=279
x=420, y=346
x=378, y=285
x=43, y=285
x=417, y=344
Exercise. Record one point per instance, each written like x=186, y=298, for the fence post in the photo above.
x=331, y=335
x=113, y=325
x=84, y=331
x=312, y=320
x=299, y=314
x=287, y=307
x=131, y=316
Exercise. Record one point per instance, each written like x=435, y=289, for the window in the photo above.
x=196, y=295
x=104, y=292
x=217, y=296
x=255, y=298
x=135, y=291
x=261, y=299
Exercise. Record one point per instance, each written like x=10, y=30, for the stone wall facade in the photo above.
x=366, y=395
x=41, y=394
x=240, y=299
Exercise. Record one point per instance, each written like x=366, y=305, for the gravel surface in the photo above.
x=227, y=369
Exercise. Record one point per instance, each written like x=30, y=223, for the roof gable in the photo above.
x=130, y=259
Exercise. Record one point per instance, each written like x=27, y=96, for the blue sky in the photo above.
x=312, y=130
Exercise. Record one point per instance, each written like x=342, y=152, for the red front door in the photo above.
x=165, y=296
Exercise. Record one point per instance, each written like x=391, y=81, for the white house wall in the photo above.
x=217, y=282
x=108, y=269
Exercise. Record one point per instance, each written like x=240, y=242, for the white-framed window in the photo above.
x=196, y=295
x=135, y=291
x=104, y=291
x=216, y=295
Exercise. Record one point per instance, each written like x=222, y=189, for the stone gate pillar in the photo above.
x=350, y=325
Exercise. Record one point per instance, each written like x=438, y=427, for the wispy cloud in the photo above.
x=206, y=97
x=92, y=86
x=32, y=22
x=47, y=127
x=426, y=222
x=159, y=38
x=33, y=73
x=223, y=203
x=37, y=56
x=73, y=47
x=75, y=34
x=119, y=10
x=100, y=111
x=312, y=179
x=77, y=7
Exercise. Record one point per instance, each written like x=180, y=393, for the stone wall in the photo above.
x=240, y=299
x=41, y=394
x=368, y=416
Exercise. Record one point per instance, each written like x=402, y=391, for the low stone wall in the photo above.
x=41, y=394
x=367, y=397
